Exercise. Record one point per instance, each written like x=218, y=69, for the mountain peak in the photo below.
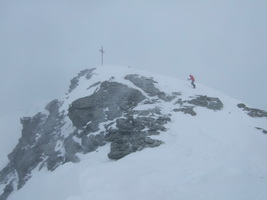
x=128, y=110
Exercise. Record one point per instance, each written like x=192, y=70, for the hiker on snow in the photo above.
x=192, y=78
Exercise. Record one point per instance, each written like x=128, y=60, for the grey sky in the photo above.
x=43, y=44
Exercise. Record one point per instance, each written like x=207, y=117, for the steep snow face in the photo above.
x=208, y=145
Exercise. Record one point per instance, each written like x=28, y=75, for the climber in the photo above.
x=192, y=78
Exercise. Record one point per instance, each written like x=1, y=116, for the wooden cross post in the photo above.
x=102, y=55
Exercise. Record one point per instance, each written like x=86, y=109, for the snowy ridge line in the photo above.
x=122, y=114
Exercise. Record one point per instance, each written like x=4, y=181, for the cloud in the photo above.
x=45, y=43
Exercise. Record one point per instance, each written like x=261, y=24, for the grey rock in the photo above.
x=72, y=147
x=131, y=134
x=55, y=160
x=116, y=101
x=180, y=102
x=94, y=85
x=109, y=102
x=146, y=84
x=36, y=146
x=44, y=144
x=186, y=110
x=92, y=142
x=122, y=147
x=119, y=149
x=261, y=129
x=212, y=103
x=7, y=191
x=252, y=112
x=88, y=73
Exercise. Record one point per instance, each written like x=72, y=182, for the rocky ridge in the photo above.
x=110, y=115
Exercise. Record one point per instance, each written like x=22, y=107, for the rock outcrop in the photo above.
x=261, y=129
x=88, y=73
x=115, y=101
x=107, y=115
x=108, y=103
x=35, y=147
x=212, y=103
x=123, y=115
x=187, y=106
x=252, y=112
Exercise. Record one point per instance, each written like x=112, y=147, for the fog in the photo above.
x=43, y=44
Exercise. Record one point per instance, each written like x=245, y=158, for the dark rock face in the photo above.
x=7, y=191
x=252, y=112
x=108, y=116
x=212, y=103
x=261, y=129
x=115, y=101
x=148, y=86
x=125, y=146
x=92, y=142
x=88, y=73
x=109, y=102
x=44, y=143
x=186, y=110
x=36, y=146
x=131, y=134
x=40, y=133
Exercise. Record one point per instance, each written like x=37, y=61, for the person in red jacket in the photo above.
x=192, y=78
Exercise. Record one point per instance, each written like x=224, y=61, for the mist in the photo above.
x=43, y=44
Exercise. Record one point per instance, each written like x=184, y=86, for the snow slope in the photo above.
x=213, y=155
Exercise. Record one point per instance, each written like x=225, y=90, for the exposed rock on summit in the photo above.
x=131, y=134
x=212, y=103
x=252, y=112
x=88, y=73
x=105, y=116
x=112, y=101
x=148, y=86
x=261, y=129
x=186, y=110
x=109, y=102
x=35, y=147
x=127, y=112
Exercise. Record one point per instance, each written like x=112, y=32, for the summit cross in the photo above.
x=102, y=55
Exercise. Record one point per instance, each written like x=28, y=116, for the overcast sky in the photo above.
x=44, y=43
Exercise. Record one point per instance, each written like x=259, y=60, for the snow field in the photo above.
x=213, y=155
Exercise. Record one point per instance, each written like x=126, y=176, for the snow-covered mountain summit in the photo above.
x=208, y=145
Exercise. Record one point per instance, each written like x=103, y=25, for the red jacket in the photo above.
x=192, y=77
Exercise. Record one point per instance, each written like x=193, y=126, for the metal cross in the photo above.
x=102, y=55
